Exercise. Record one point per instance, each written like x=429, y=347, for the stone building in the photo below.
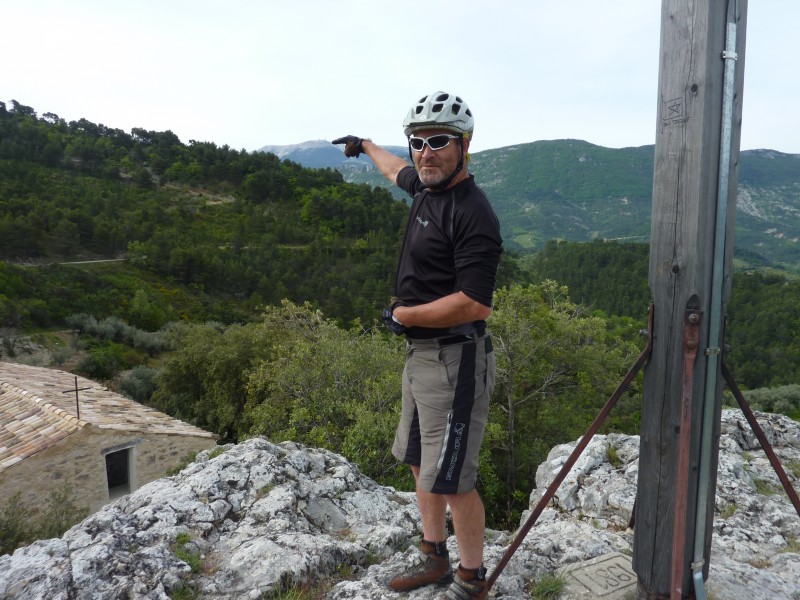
x=104, y=444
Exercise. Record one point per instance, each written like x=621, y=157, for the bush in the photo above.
x=783, y=400
x=329, y=387
x=113, y=329
x=152, y=343
x=548, y=587
x=82, y=323
x=18, y=527
x=139, y=383
x=15, y=529
x=61, y=514
x=105, y=361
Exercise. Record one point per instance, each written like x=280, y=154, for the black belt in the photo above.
x=460, y=339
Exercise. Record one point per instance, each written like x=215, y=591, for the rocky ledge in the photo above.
x=258, y=518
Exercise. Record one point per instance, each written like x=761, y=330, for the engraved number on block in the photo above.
x=612, y=577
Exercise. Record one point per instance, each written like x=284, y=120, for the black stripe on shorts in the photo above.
x=449, y=475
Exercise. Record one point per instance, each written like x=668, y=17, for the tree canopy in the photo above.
x=247, y=289
x=235, y=224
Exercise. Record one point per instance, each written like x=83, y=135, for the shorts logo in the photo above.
x=458, y=429
x=421, y=222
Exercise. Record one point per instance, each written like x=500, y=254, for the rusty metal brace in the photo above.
x=691, y=341
x=581, y=446
x=751, y=418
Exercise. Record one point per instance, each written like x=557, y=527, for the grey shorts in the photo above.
x=445, y=407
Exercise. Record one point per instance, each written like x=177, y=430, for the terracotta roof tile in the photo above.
x=37, y=409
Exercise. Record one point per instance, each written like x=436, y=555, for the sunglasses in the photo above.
x=435, y=142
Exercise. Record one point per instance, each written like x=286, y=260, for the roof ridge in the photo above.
x=44, y=405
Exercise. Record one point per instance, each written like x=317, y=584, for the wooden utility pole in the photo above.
x=694, y=183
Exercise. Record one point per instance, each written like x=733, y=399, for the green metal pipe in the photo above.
x=715, y=340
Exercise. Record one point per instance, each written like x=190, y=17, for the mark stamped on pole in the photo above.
x=673, y=112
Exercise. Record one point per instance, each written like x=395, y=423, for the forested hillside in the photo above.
x=577, y=191
x=242, y=227
x=242, y=293
x=213, y=233
x=763, y=311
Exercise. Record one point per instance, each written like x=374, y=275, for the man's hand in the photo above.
x=395, y=326
x=352, y=145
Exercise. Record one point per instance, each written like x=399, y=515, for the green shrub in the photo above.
x=15, y=526
x=104, y=360
x=782, y=400
x=548, y=587
x=183, y=551
x=613, y=456
x=139, y=383
x=188, y=459
x=61, y=514
x=18, y=527
x=184, y=591
x=113, y=329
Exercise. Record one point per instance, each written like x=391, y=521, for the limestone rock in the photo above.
x=245, y=521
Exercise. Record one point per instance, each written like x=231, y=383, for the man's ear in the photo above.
x=465, y=145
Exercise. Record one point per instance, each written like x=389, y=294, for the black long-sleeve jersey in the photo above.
x=452, y=243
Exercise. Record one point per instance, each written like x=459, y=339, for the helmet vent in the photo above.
x=437, y=108
x=442, y=97
x=456, y=109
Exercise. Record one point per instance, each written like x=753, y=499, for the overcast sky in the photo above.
x=252, y=73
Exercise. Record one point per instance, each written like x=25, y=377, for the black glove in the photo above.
x=352, y=145
x=395, y=326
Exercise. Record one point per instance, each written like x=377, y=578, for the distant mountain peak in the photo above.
x=321, y=154
x=282, y=150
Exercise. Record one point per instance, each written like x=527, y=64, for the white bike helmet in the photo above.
x=439, y=110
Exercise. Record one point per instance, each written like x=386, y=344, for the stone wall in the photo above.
x=80, y=459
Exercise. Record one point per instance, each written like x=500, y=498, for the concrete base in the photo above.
x=609, y=577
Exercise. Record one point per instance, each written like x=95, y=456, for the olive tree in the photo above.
x=556, y=368
x=329, y=387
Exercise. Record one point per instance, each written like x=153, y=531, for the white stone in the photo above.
x=263, y=515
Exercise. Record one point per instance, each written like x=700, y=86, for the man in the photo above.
x=443, y=296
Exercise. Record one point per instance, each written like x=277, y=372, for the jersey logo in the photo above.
x=421, y=222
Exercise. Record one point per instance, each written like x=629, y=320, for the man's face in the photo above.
x=435, y=166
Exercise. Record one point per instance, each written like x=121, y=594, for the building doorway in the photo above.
x=118, y=473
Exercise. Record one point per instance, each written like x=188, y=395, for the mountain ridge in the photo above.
x=578, y=191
